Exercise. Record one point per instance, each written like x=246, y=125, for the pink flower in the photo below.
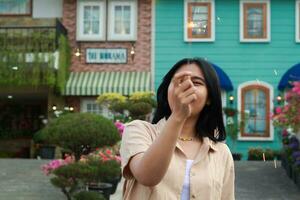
x=108, y=151
x=120, y=126
x=52, y=165
x=278, y=110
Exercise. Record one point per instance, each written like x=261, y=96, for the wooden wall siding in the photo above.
x=241, y=61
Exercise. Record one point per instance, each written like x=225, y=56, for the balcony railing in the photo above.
x=31, y=38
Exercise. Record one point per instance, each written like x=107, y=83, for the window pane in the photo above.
x=91, y=23
x=118, y=27
x=118, y=13
x=199, y=18
x=96, y=13
x=126, y=14
x=126, y=27
x=255, y=23
x=122, y=19
x=87, y=27
x=95, y=27
x=88, y=107
x=14, y=7
x=86, y=12
x=255, y=112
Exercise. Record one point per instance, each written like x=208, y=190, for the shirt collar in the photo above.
x=210, y=143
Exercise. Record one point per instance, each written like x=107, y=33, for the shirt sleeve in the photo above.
x=228, y=192
x=136, y=139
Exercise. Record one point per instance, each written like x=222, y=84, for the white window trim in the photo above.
x=224, y=104
x=79, y=32
x=242, y=38
x=104, y=111
x=84, y=101
x=224, y=98
x=212, y=37
x=111, y=18
x=270, y=87
x=297, y=7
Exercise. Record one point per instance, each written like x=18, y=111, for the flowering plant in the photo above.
x=51, y=166
x=72, y=175
x=120, y=126
x=105, y=155
x=289, y=114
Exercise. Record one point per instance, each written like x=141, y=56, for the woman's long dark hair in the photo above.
x=211, y=116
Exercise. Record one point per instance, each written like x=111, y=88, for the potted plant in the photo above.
x=80, y=133
x=255, y=153
x=230, y=112
x=113, y=166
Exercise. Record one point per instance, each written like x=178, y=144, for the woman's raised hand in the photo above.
x=184, y=95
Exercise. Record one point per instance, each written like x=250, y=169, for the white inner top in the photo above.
x=185, y=194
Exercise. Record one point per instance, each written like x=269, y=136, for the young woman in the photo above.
x=180, y=155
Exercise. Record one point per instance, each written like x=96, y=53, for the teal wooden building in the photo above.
x=254, y=45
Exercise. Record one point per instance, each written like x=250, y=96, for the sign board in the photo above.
x=106, y=55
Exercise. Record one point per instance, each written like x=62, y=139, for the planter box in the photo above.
x=47, y=152
x=284, y=161
x=298, y=181
x=236, y=156
x=114, y=183
x=295, y=174
x=289, y=170
x=104, y=188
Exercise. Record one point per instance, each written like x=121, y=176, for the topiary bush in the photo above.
x=76, y=131
x=81, y=133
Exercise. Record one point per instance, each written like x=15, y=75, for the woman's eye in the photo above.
x=197, y=83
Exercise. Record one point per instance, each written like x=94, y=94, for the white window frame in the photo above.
x=104, y=112
x=224, y=104
x=242, y=37
x=239, y=101
x=111, y=35
x=297, y=26
x=102, y=29
x=185, y=22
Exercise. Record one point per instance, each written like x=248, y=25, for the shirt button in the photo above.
x=193, y=196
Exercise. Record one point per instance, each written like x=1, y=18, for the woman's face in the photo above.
x=199, y=83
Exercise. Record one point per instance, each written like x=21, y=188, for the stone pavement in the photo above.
x=22, y=179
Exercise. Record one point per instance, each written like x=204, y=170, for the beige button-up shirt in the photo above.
x=211, y=175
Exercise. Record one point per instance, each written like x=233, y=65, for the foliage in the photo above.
x=73, y=176
x=4, y=154
x=288, y=116
x=28, y=59
x=64, y=63
x=146, y=97
x=111, y=98
x=257, y=154
x=139, y=110
x=85, y=195
x=136, y=106
x=77, y=130
x=230, y=111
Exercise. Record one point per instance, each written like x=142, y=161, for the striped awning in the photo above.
x=96, y=83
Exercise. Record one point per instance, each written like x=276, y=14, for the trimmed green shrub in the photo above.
x=77, y=130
